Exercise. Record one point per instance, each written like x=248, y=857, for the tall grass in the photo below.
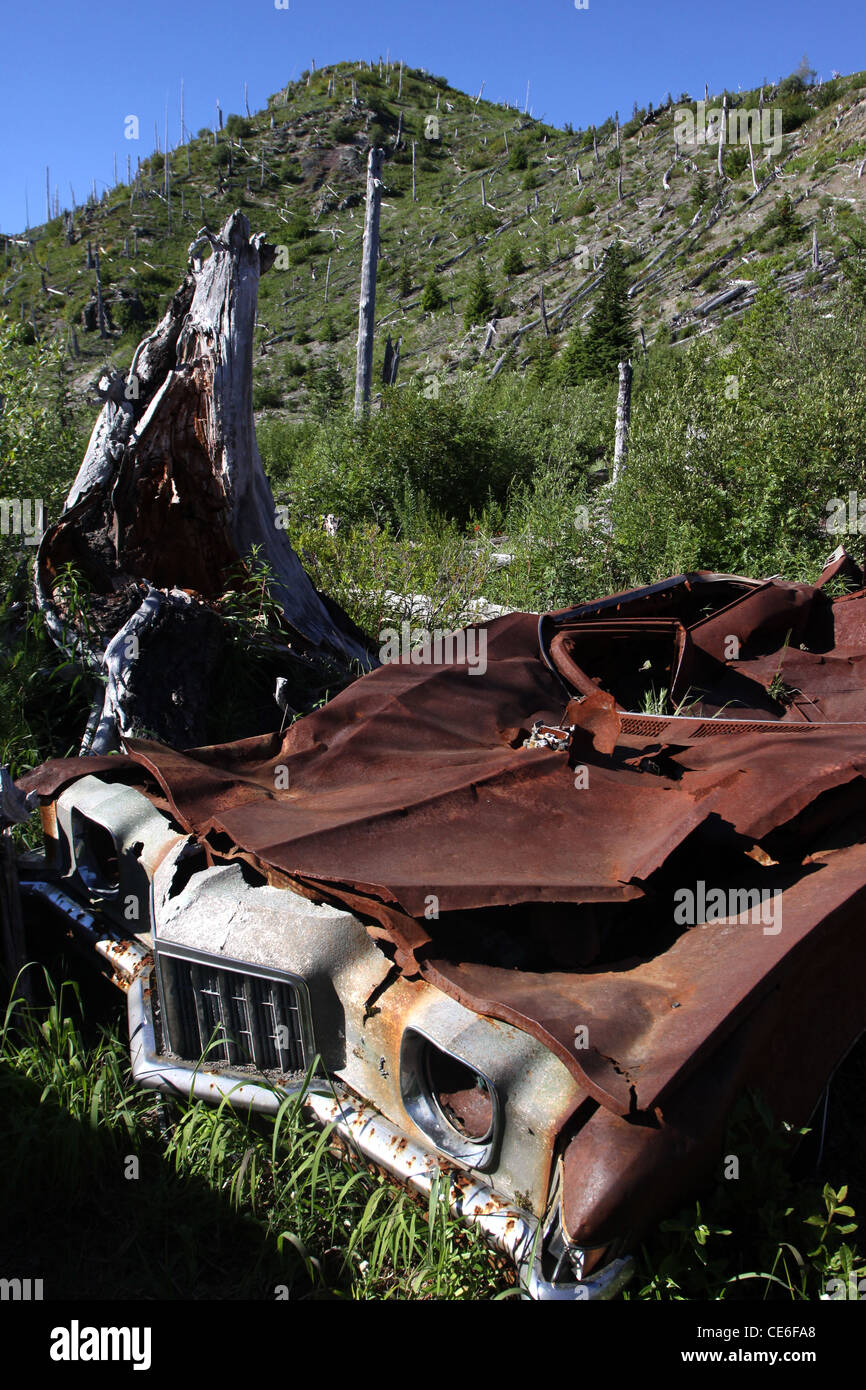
x=222, y=1203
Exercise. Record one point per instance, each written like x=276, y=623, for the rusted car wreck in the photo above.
x=537, y=939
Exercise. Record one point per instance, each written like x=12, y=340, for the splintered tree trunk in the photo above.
x=169, y=504
x=367, y=305
x=623, y=420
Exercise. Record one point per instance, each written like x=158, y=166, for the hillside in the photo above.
x=537, y=205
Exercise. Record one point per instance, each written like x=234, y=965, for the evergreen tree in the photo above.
x=479, y=301
x=700, y=191
x=431, y=295
x=572, y=359
x=610, y=336
x=404, y=282
x=786, y=219
x=512, y=262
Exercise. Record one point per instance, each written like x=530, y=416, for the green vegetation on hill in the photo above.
x=492, y=187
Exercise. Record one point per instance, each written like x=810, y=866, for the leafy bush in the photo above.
x=739, y=480
x=267, y=396
x=238, y=127
x=795, y=114
x=453, y=452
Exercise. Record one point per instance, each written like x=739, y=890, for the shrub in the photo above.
x=238, y=127
x=266, y=396
x=795, y=114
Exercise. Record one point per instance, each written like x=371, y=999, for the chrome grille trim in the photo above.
x=223, y=1011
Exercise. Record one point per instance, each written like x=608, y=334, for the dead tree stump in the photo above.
x=170, y=503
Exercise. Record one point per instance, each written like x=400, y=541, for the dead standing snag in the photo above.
x=170, y=501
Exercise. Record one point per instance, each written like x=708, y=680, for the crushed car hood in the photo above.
x=519, y=837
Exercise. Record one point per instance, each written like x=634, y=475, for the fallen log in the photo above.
x=170, y=506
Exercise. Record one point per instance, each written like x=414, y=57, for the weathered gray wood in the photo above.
x=171, y=500
x=623, y=420
x=722, y=132
x=369, y=262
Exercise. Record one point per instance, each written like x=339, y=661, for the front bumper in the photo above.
x=363, y=1133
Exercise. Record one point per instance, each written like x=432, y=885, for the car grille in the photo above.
x=232, y=1015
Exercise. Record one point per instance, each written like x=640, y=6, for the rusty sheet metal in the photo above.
x=620, y=1175
x=553, y=870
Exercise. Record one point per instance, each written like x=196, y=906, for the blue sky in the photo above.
x=70, y=74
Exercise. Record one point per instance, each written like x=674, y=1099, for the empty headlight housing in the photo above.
x=450, y=1100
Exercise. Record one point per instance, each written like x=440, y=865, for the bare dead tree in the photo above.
x=751, y=157
x=623, y=420
x=100, y=304
x=816, y=254
x=369, y=262
x=722, y=128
